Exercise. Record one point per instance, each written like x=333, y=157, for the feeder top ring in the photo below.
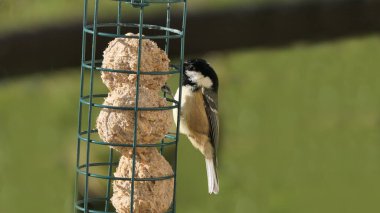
x=143, y=3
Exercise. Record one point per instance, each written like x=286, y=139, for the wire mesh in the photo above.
x=90, y=101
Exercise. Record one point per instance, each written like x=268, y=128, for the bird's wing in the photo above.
x=211, y=104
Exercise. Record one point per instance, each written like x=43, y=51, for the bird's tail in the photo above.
x=212, y=177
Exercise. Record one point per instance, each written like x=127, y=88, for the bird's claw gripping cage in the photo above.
x=90, y=195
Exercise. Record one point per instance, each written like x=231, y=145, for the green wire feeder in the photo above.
x=134, y=119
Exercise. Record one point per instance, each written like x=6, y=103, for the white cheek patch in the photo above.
x=199, y=79
x=194, y=76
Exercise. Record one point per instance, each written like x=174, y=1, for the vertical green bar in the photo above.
x=93, y=55
x=168, y=16
x=118, y=17
x=182, y=58
x=110, y=159
x=108, y=192
x=80, y=96
x=136, y=103
x=167, y=42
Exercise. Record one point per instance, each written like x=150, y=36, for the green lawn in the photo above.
x=300, y=133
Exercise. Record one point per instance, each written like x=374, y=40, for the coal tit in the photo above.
x=199, y=114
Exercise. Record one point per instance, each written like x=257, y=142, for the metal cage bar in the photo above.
x=92, y=100
x=182, y=59
x=141, y=19
x=93, y=52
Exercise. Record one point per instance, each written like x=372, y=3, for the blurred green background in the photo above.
x=299, y=124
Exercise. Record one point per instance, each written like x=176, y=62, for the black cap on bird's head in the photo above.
x=198, y=73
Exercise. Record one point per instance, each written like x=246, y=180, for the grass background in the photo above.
x=300, y=133
x=300, y=126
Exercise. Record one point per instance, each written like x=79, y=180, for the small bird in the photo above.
x=199, y=114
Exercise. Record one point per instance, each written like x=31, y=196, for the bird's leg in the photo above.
x=167, y=91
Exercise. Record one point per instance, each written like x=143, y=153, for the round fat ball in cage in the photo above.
x=153, y=196
x=122, y=54
x=117, y=126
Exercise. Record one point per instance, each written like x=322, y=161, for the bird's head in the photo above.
x=199, y=74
